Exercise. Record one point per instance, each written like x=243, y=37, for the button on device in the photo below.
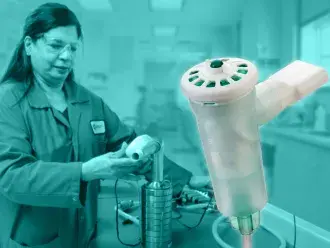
x=75, y=198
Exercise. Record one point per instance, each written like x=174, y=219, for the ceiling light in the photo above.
x=171, y=5
x=165, y=31
x=164, y=49
x=192, y=56
x=96, y=4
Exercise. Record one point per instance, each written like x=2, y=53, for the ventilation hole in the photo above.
x=235, y=78
x=243, y=65
x=209, y=103
x=199, y=83
x=224, y=60
x=193, y=72
x=224, y=82
x=193, y=78
x=242, y=71
x=211, y=84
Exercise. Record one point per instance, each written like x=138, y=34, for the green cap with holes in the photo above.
x=219, y=79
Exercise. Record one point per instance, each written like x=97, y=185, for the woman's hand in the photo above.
x=109, y=165
x=146, y=166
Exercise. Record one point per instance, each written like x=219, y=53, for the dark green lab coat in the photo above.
x=41, y=155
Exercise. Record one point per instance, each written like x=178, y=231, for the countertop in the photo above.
x=317, y=138
x=182, y=237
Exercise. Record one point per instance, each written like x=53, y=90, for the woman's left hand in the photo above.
x=139, y=174
x=146, y=167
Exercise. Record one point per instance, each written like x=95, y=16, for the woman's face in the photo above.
x=53, y=55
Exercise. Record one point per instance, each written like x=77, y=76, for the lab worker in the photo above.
x=57, y=139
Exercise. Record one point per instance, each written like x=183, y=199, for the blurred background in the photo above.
x=134, y=53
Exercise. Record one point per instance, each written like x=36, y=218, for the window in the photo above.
x=315, y=40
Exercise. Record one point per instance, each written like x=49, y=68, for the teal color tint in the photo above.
x=132, y=57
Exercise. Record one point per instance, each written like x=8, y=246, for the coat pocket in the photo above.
x=93, y=243
x=92, y=238
x=56, y=243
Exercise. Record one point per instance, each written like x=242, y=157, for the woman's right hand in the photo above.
x=109, y=165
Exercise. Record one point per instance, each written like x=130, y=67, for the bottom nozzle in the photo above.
x=246, y=224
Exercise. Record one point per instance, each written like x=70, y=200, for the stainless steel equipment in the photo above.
x=156, y=196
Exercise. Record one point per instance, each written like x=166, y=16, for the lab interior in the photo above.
x=134, y=56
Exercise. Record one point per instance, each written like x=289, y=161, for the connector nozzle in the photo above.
x=246, y=224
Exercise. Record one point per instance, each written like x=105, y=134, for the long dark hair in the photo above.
x=44, y=18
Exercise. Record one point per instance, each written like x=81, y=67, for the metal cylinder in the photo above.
x=158, y=165
x=156, y=215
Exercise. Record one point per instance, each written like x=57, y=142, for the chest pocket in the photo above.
x=50, y=139
x=52, y=148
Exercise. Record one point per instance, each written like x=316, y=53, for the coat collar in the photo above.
x=74, y=92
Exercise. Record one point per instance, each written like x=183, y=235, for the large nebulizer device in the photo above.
x=229, y=106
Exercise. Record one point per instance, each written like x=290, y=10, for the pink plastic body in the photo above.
x=231, y=144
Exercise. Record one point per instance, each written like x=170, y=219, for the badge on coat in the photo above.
x=98, y=127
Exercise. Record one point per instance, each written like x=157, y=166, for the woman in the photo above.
x=56, y=140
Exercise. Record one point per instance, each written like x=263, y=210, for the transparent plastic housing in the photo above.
x=230, y=138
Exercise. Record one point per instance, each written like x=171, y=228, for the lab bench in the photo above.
x=182, y=237
x=129, y=233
